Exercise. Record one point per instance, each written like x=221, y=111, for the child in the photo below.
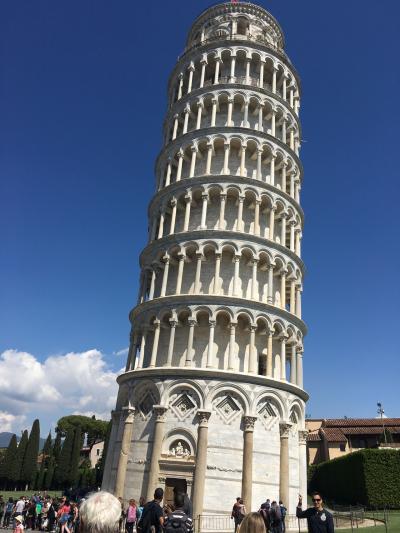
x=19, y=528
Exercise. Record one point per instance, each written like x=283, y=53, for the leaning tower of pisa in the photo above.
x=212, y=400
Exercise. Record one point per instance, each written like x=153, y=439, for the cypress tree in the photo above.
x=49, y=474
x=57, y=447
x=29, y=468
x=17, y=471
x=46, y=454
x=75, y=457
x=9, y=461
x=61, y=474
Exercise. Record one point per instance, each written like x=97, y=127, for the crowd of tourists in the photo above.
x=61, y=515
x=39, y=512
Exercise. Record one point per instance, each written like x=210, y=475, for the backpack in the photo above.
x=146, y=518
x=177, y=523
x=283, y=511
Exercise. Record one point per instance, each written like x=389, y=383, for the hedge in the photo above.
x=367, y=477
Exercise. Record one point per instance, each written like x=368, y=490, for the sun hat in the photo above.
x=19, y=518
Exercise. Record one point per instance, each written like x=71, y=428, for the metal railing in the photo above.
x=242, y=80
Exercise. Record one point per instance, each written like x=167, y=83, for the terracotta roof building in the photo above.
x=331, y=438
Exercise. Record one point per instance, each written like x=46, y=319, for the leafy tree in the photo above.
x=49, y=474
x=102, y=461
x=16, y=474
x=73, y=476
x=57, y=447
x=7, y=465
x=46, y=454
x=94, y=429
x=62, y=470
x=29, y=467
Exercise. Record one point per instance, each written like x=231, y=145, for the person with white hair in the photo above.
x=100, y=513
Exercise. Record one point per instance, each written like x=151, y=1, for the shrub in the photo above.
x=368, y=477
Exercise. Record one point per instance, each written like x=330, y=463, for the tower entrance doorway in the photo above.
x=171, y=483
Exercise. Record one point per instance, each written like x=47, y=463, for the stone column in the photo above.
x=231, y=358
x=165, y=276
x=201, y=462
x=261, y=79
x=191, y=70
x=193, y=162
x=293, y=379
x=161, y=226
x=270, y=297
x=158, y=434
x=199, y=113
x=173, y=323
x=272, y=223
x=213, y=112
x=180, y=273
x=216, y=77
x=299, y=369
x=142, y=348
x=188, y=200
x=298, y=301
x=239, y=225
x=236, y=275
x=283, y=229
x=292, y=235
x=186, y=119
x=273, y=122
x=283, y=358
x=221, y=223
x=260, y=118
x=216, y=274
x=259, y=163
x=254, y=294
x=243, y=161
x=180, y=89
x=284, y=463
x=155, y=343
x=253, y=352
x=303, y=461
x=274, y=80
x=189, y=355
x=248, y=60
x=152, y=283
x=199, y=256
x=257, y=218
x=173, y=216
x=269, y=352
x=284, y=86
x=203, y=72
x=292, y=296
x=210, y=351
x=209, y=158
x=180, y=163
x=247, y=470
x=230, y=110
x=233, y=61
x=175, y=130
x=226, y=158
x=203, y=223
x=272, y=170
x=128, y=414
x=283, y=288
x=284, y=165
x=246, y=114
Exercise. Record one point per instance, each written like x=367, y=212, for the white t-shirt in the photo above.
x=19, y=506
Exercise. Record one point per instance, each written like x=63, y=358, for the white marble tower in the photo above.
x=212, y=398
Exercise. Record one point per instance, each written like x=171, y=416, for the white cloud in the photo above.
x=124, y=351
x=76, y=382
x=8, y=421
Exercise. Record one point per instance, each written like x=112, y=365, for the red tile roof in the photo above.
x=360, y=422
x=334, y=434
x=313, y=437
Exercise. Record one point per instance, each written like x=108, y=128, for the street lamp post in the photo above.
x=381, y=412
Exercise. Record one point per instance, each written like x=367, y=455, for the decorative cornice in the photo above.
x=199, y=235
x=225, y=179
x=245, y=132
x=161, y=373
x=223, y=86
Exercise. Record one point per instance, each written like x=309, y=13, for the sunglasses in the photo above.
x=316, y=499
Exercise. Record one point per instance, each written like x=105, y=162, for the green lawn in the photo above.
x=17, y=493
x=393, y=525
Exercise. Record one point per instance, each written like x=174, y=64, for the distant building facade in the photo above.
x=94, y=453
x=331, y=438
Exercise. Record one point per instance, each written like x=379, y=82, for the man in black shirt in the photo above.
x=318, y=520
x=152, y=519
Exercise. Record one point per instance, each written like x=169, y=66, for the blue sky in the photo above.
x=83, y=96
